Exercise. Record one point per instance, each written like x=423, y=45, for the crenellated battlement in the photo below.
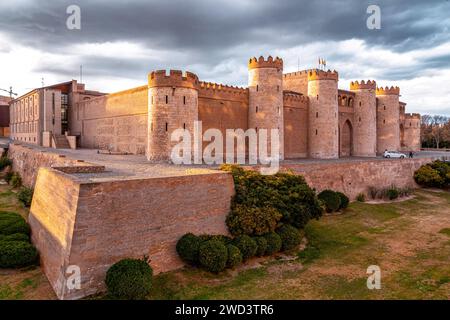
x=290, y=96
x=317, y=74
x=415, y=116
x=175, y=78
x=297, y=74
x=370, y=84
x=388, y=91
x=262, y=63
x=221, y=87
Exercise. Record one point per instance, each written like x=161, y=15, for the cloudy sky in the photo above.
x=121, y=41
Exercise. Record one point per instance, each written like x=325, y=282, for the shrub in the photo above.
x=273, y=243
x=344, y=200
x=252, y=220
x=287, y=193
x=16, y=254
x=8, y=176
x=246, y=245
x=16, y=180
x=187, y=248
x=361, y=197
x=4, y=162
x=213, y=255
x=129, y=279
x=428, y=177
x=234, y=256
x=11, y=222
x=392, y=193
x=25, y=195
x=290, y=237
x=15, y=237
x=331, y=200
x=373, y=192
x=261, y=242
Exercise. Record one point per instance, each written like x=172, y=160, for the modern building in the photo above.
x=4, y=116
x=42, y=115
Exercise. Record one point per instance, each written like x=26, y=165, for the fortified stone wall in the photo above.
x=116, y=122
x=354, y=177
x=388, y=119
x=295, y=125
x=296, y=81
x=27, y=161
x=222, y=107
x=323, y=114
x=411, y=135
x=365, y=118
x=173, y=104
x=94, y=225
x=265, y=85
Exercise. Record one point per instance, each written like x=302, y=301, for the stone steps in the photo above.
x=61, y=141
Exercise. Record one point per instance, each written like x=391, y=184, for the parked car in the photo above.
x=394, y=154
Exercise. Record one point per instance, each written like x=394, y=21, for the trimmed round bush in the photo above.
x=246, y=245
x=16, y=254
x=252, y=220
x=234, y=256
x=290, y=237
x=331, y=200
x=11, y=222
x=273, y=243
x=187, y=248
x=344, y=200
x=262, y=246
x=213, y=255
x=15, y=237
x=129, y=279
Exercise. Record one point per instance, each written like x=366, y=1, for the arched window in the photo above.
x=167, y=99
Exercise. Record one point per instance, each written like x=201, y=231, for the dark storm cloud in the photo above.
x=206, y=33
x=213, y=25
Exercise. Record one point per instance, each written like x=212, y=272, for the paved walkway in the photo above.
x=126, y=166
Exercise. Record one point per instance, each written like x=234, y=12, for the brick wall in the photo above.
x=93, y=225
x=117, y=121
x=353, y=177
x=27, y=160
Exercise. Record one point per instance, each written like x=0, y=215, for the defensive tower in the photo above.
x=172, y=104
x=265, y=82
x=388, y=119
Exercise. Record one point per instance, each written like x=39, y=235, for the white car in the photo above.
x=394, y=154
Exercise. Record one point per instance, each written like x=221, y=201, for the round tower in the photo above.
x=388, y=119
x=265, y=83
x=411, y=136
x=323, y=139
x=172, y=104
x=365, y=118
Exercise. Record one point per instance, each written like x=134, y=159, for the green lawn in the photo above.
x=408, y=240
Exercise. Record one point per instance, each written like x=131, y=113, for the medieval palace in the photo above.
x=315, y=118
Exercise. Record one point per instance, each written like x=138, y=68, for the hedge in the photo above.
x=213, y=255
x=246, y=245
x=290, y=237
x=273, y=243
x=435, y=175
x=187, y=248
x=16, y=254
x=234, y=256
x=344, y=200
x=11, y=222
x=287, y=193
x=261, y=243
x=331, y=200
x=129, y=279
